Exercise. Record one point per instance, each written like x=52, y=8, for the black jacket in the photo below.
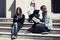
x=21, y=20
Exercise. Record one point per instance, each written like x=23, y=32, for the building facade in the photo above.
x=8, y=7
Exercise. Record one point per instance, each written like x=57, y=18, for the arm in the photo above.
x=48, y=21
x=15, y=18
x=28, y=10
x=23, y=18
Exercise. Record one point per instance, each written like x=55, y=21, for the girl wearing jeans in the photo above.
x=18, y=21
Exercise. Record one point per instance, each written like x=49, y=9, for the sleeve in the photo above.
x=40, y=13
x=14, y=18
x=28, y=10
x=13, y=21
x=48, y=21
x=23, y=18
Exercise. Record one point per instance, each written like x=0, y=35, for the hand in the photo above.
x=16, y=18
x=35, y=20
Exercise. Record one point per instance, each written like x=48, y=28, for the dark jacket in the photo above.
x=21, y=20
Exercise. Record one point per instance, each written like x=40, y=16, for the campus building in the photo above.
x=8, y=7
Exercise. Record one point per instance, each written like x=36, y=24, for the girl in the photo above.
x=18, y=21
x=30, y=11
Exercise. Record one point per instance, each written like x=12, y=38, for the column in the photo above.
x=10, y=8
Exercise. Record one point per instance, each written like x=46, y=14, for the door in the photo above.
x=2, y=8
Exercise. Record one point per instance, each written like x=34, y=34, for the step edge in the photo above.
x=31, y=34
x=24, y=28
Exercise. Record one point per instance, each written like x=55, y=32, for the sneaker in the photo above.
x=45, y=32
x=13, y=37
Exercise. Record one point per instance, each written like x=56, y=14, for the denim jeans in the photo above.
x=15, y=29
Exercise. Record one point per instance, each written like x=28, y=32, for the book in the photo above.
x=35, y=20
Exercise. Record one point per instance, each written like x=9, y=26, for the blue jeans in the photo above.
x=42, y=27
x=38, y=28
x=16, y=27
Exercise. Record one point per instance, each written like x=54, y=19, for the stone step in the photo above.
x=56, y=20
x=10, y=20
x=2, y=38
x=26, y=24
x=33, y=36
x=6, y=24
x=6, y=38
x=24, y=30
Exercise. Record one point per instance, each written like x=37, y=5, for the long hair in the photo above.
x=20, y=10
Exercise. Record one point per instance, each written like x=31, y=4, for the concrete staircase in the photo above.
x=5, y=31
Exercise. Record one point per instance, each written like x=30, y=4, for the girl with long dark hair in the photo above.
x=18, y=21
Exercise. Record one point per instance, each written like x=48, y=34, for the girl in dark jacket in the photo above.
x=18, y=21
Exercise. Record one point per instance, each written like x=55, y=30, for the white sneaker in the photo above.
x=13, y=37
